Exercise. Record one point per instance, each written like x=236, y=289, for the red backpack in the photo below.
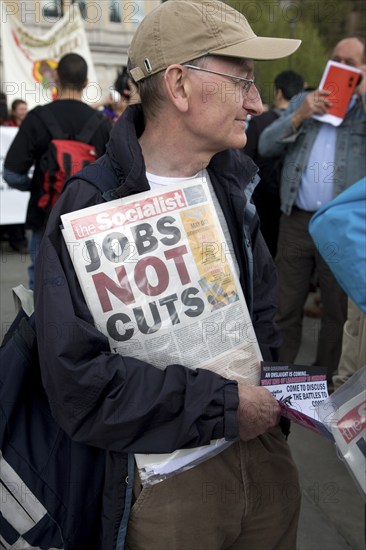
x=64, y=156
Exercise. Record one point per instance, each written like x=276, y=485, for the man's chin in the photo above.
x=239, y=143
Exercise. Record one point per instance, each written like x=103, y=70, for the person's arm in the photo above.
x=271, y=141
x=315, y=103
x=22, y=151
x=361, y=88
x=258, y=409
x=17, y=181
x=105, y=399
x=284, y=130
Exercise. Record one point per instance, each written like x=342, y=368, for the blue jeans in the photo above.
x=33, y=249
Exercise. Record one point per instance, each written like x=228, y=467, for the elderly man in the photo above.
x=321, y=160
x=192, y=61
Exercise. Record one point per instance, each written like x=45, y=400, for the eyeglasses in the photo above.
x=247, y=82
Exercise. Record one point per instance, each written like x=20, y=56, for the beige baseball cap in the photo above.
x=179, y=31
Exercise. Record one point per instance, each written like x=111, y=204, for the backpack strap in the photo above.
x=100, y=176
x=23, y=329
x=90, y=127
x=50, y=121
x=85, y=134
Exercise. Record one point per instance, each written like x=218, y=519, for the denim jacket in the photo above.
x=281, y=137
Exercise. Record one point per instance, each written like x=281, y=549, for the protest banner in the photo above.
x=29, y=61
x=157, y=275
x=13, y=203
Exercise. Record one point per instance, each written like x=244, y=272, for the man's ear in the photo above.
x=85, y=83
x=57, y=83
x=177, y=86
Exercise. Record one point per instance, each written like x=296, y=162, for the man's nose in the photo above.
x=252, y=101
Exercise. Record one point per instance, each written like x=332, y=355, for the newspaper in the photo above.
x=344, y=414
x=159, y=281
x=341, y=417
x=350, y=436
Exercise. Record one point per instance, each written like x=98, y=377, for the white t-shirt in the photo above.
x=157, y=182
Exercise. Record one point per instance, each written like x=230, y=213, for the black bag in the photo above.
x=51, y=486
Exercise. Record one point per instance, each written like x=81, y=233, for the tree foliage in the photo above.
x=286, y=20
x=336, y=19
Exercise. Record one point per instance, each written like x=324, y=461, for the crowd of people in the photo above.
x=34, y=136
x=266, y=195
x=157, y=128
x=320, y=161
x=32, y=142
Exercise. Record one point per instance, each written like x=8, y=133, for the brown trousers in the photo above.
x=246, y=498
x=297, y=257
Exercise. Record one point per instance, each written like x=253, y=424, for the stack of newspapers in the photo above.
x=161, y=285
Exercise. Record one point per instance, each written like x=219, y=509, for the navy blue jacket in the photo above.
x=120, y=404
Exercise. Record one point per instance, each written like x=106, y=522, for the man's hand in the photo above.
x=258, y=411
x=361, y=88
x=315, y=103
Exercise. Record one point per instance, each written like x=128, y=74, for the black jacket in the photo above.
x=118, y=403
x=269, y=167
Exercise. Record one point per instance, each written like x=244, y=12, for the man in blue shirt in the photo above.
x=321, y=161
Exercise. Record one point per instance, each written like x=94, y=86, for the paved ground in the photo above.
x=332, y=516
